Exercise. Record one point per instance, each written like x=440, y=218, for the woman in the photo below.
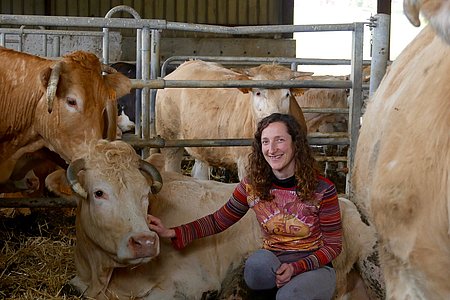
x=297, y=209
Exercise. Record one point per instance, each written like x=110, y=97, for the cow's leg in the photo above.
x=173, y=158
x=200, y=170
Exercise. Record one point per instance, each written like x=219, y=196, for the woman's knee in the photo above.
x=260, y=268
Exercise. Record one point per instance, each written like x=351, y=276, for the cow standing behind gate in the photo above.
x=212, y=113
x=118, y=256
x=401, y=180
x=60, y=105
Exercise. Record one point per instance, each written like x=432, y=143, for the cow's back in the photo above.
x=17, y=104
x=202, y=112
x=402, y=178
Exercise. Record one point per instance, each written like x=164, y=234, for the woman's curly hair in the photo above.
x=260, y=172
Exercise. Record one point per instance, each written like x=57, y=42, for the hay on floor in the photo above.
x=36, y=257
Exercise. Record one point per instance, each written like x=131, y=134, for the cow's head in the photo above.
x=268, y=101
x=112, y=185
x=76, y=98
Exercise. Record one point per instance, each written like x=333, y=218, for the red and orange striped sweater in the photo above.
x=288, y=224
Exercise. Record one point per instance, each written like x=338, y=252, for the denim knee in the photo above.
x=259, y=270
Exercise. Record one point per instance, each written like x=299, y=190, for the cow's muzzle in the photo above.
x=138, y=246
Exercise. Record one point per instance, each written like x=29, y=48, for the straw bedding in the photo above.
x=36, y=258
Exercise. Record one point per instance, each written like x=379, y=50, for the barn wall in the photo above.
x=219, y=12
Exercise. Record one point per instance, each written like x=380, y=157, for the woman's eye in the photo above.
x=71, y=101
x=98, y=194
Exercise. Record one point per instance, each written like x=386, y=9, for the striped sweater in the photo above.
x=288, y=225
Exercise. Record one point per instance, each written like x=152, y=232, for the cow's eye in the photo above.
x=288, y=94
x=258, y=93
x=98, y=194
x=71, y=101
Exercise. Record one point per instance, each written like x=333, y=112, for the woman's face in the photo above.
x=277, y=149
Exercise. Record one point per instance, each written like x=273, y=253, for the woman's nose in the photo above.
x=272, y=147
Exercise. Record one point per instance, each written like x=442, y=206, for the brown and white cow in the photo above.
x=59, y=105
x=118, y=256
x=213, y=113
x=401, y=179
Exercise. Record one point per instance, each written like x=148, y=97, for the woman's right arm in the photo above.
x=231, y=212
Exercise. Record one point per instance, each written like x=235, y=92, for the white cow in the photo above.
x=212, y=113
x=401, y=179
x=118, y=256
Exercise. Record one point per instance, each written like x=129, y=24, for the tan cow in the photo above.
x=59, y=105
x=215, y=113
x=401, y=179
x=436, y=11
x=118, y=256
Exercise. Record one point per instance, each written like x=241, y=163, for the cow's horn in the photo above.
x=72, y=176
x=153, y=172
x=53, y=85
x=108, y=69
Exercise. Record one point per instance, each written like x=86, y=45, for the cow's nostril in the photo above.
x=135, y=242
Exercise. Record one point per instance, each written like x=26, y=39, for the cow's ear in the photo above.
x=244, y=90
x=297, y=92
x=119, y=83
x=57, y=183
x=45, y=77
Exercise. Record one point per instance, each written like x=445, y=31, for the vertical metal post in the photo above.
x=105, y=46
x=138, y=93
x=145, y=54
x=2, y=39
x=380, y=50
x=154, y=73
x=355, y=99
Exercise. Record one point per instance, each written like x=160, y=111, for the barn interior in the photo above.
x=37, y=240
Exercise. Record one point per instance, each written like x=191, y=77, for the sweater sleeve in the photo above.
x=230, y=213
x=331, y=227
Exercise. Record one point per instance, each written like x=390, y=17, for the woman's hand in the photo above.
x=284, y=274
x=157, y=226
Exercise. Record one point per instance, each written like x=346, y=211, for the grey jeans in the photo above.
x=259, y=274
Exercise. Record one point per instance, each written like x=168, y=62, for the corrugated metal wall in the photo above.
x=223, y=12
x=218, y=12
